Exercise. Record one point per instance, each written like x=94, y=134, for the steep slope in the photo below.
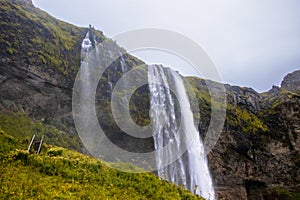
x=291, y=82
x=40, y=57
x=59, y=173
x=257, y=155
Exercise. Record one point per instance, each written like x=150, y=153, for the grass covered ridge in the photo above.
x=58, y=173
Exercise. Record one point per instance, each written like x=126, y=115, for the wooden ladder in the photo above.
x=37, y=145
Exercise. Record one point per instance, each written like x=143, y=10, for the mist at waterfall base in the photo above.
x=170, y=134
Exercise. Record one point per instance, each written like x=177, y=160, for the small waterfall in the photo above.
x=191, y=169
x=85, y=78
x=86, y=46
x=123, y=64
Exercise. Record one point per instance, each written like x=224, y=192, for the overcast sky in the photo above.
x=253, y=43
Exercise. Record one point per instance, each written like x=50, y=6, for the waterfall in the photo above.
x=86, y=46
x=85, y=79
x=191, y=169
x=123, y=65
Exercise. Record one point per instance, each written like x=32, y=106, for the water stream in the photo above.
x=191, y=169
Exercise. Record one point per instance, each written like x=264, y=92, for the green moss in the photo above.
x=31, y=31
x=278, y=115
x=244, y=120
x=11, y=50
x=238, y=118
x=279, y=193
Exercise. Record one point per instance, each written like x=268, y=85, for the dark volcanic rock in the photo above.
x=257, y=151
x=25, y=91
x=26, y=1
x=250, y=165
x=244, y=97
x=291, y=82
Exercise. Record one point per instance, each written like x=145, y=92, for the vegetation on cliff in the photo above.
x=31, y=36
x=258, y=149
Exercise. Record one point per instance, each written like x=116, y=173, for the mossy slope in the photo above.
x=58, y=173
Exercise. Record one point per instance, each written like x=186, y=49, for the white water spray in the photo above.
x=191, y=169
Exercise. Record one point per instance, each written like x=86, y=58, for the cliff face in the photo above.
x=292, y=82
x=39, y=60
x=257, y=155
x=255, y=163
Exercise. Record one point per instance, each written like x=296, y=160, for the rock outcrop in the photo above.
x=256, y=157
x=255, y=165
x=291, y=82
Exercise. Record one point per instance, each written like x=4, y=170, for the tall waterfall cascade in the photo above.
x=191, y=169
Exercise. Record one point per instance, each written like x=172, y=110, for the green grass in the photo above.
x=59, y=173
x=20, y=125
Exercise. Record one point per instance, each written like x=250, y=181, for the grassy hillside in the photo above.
x=21, y=126
x=58, y=173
